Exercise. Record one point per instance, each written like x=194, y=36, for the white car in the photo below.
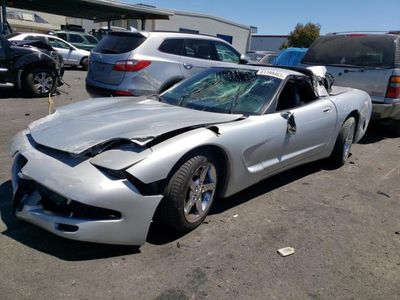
x=72, y=56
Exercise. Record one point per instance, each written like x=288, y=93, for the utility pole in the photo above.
x=3, y=18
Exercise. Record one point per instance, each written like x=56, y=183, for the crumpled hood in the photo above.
x=80, y=126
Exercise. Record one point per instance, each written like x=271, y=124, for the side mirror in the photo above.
x=243, y=59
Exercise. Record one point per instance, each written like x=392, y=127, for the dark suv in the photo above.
x=369, y=62
x=33, y=67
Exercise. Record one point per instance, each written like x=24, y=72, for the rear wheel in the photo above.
x=85, y=63
x=40, y=82
x=190, y=194
x=343, y=143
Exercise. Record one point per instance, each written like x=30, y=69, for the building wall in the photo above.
x=206, y=25
x=267, y=42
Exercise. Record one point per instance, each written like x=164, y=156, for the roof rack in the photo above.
x=193, y=33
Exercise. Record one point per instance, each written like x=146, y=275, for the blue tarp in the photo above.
x=290, y=57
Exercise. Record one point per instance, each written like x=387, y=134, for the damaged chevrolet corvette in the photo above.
x=102, y=170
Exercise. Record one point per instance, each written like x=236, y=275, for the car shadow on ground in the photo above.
x=377, y=132
x=10, y=92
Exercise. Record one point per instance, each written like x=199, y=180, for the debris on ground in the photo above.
x=286, y=251
x=235, y=216
x=383, y=194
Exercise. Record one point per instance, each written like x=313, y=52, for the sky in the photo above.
x=279, y=17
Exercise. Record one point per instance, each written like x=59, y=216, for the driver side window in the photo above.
x=57, y=43
x=295, y=93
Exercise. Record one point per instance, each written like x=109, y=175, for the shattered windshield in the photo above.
x=221, y=90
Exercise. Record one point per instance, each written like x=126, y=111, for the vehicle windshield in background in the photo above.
x=91, y=39
x=225, y=91
x=375, y=51
x=255, y=56
x=119, y=42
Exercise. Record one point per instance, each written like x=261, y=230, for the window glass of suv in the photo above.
x=35, y=38
x=356, y=50
x=172, y=46
x=226, y=53
x=119, y=42
x=75, y=38
x=199, y=48
x=62, y=36
x=56, y=43
x=91, y=39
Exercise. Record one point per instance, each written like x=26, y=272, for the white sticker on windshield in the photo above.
x=271, y=73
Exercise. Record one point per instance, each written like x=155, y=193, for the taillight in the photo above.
x=393, y=90
x=131, y=65
x=122, y=93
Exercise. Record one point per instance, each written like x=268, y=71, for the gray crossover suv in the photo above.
x=141, y=63
x=370, y=62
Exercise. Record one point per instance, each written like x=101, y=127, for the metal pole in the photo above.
x=143, y=24
x=109, y=25
x=3, y=17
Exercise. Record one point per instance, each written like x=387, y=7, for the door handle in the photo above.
x=187, y=66
x=291, y=122
x=327, y=109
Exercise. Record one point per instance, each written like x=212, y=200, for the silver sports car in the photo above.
x=102, y=170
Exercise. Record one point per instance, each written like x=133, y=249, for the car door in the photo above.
x=67, y=52
x=4, y=62
x=197, y=55
x=310, y=122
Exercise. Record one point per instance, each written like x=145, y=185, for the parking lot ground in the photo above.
x=344, y=225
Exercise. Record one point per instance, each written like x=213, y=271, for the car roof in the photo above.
x=71, y=31
x=45, y=35
x=394, y=34
x=172, y=34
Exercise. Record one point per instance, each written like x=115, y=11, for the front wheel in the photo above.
x=343, y=143
x=190, y=194
x=40, y=82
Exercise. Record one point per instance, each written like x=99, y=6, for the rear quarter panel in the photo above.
x=353, y=100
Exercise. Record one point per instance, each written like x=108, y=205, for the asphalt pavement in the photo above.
x=344, y=225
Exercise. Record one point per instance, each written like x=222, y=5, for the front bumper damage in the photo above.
x=72, y=198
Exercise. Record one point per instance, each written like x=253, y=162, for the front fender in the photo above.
x=36, y=57
x=166, y=155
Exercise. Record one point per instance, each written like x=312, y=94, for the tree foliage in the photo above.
x=302, y=36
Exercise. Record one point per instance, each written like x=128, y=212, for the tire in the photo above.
x=40, y=82
x=188, y=198
x=85, y=63
x=343, y=143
